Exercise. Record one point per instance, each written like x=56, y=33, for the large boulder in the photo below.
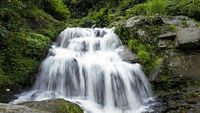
x=54, y=106
x=188, y=38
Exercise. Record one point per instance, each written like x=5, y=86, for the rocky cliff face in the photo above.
x=172, y=45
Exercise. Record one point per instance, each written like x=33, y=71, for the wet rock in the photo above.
x=188, y=38
x=7, y=108
x=54, y=106
x=127, y=55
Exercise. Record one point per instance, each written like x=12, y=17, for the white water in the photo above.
x=84, y=66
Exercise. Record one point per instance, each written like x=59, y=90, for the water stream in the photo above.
x=84, y=66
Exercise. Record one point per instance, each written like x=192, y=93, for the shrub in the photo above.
x=151, y=7
x=194, y=9
x=20, y=57
x=98, y=18
x=57, y=9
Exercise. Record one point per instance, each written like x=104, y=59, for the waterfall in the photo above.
x=84, y=66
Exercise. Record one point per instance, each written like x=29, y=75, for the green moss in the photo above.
x=132, y=44
x=172, y=27
x=143, y=56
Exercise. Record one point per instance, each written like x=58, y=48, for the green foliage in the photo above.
x=156, y=7
x=97, y=19
x=21, y=55
x=151, y=7
x=11, y=20
x=139, y=9
x=166, y=7
x=57, y=9
x=123, y=33
x=194, y=9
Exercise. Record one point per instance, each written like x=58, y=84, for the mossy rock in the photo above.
x=55, y=106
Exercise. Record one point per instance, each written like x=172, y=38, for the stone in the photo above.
x=185, y=65
x=180, y=22
x=54, y=106
x=188, y=38
x=165, y=44
x=8, y=108
x=166, y=40
x=156, y=72
x=127, y=55
x=168, y=35
x=134, y=20
x=143, y=20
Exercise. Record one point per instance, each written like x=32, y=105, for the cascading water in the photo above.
x=84, y=66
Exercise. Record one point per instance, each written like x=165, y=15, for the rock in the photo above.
x=142, y=20
x=166, y=40
x=180, y=22
x=165, y=44
x=188, y=38
x=8, y=108
x=185, y=65
x=131, y=22
x=168, y=35
x=155, y=73
x=127, y=55
x=54, y=106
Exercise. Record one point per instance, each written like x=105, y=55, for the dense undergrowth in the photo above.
x=27, y=27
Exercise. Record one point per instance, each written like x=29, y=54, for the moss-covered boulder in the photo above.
x=55, y=106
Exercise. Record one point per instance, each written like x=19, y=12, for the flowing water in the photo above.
x=84, y=66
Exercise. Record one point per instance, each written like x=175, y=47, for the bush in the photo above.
x=194, y=9
x=57, y=9
x=98, y=18
x=151, y=7
x=21, y=55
